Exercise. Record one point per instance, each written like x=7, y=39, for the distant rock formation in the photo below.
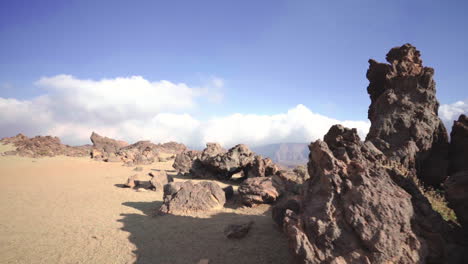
x=358, y=208
x=403, y=114
x=43, y=146
x=285, y=154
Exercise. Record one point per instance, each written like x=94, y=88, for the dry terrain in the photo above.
x=73, y=210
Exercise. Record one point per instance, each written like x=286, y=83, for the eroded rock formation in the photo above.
x=403, y=114
x=359, y=208
x=259, y=190
x=43, y=146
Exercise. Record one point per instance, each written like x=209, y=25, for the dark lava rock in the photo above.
x=188, y=198
x=229, y=192
x=184, y=161
x=105, y=145
x=403, y=114
x=458, y=152
x=237, y=231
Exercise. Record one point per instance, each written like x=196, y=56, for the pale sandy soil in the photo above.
x=69, y=210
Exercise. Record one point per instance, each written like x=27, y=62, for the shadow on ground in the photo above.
x=182, y=239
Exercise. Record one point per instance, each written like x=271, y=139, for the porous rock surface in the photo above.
x=357, y=208
x=403, y=114
x=259, y=190
x=159, y=179
x=188, y=198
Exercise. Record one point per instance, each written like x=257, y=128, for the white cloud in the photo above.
x=450, y=112
x=136, y=109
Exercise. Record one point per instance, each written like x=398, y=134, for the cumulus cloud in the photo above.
x=450, y=112
x=134, y=109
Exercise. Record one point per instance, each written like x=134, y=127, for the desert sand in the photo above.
x=74, y=210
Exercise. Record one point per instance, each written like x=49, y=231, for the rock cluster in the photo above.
x=139, y=153
x=403, y=114
x=188, y=198
x=259, y=190
x=216, y=162
x=43, y=146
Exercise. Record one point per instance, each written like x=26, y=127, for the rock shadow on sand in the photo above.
x=185, y=239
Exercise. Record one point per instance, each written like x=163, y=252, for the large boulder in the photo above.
x=403, y=114
x=261, y=167
x=188, y=198
x=105, y=144
x=184, y=161
x=259, y=190
x=359, y=208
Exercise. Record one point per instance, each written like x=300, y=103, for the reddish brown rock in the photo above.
x=258, y=190
x=43, y=146
x=183, y=161
x=106, y=145
x=403, y=114
x=132, y=181
x=458, y=152
x=358, y=208
x=261, y=167
x=188, y=198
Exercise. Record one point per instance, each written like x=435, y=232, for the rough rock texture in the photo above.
x=258, y=190
x=237, y=231
x=105, y=146
x=261, y=167
x=139, y=153
x=457, y=183
x=216, y=162
x=458, y=152
x=159, y=179
x=183, y=161
x=403, y=114
x=43, y=146
x=357, y=208
x=188, y=198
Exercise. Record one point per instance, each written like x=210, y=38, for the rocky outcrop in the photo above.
x=458, y=152
x=139, y=153
x=403, y=114
x=43, y=146
x=188, y=198
x=259, y=190
x=359, y=208
x=216, y=162
x=103, y=146
x=456, y=186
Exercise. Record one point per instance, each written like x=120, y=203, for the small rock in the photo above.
x=132, y=181
x=237, y=230
x=229, y=192
x=159, y=179
x=138, y=169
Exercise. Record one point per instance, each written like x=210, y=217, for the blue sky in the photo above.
x=270, y=55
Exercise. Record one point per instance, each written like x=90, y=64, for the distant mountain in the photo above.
x=285, y=154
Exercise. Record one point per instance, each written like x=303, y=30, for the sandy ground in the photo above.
x=72, y=210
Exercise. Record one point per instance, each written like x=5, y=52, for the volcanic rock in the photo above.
x=106, y=145
x=159, y=179
x=358, y=208
x=261, y=167
x=139, y=153
x=188, y=198
x=183, y=161
x=237, y=231
x=229, y=192
x=403, y=114
x=258, y=190
x=132, y=181
x=458, y=152
x=43, y=146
